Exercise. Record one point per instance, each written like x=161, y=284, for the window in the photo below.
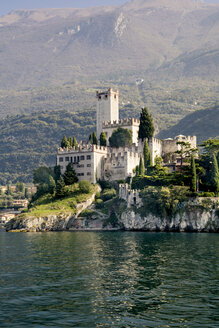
x=114, y=96
x=80, y=165
x=80, y=174
x=106, y=96
x=60, y=159
x=88, y=173
x=67, y=159
x=82, y=158
x=88, y=165
x=88, y=156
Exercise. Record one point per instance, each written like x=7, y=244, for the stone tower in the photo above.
x=107, y=108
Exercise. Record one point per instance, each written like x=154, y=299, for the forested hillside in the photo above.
x=203, y=123
x=28, y=141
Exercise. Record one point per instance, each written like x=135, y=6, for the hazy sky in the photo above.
x=8, y=5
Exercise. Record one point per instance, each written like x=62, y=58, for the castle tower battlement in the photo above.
x=107, y=108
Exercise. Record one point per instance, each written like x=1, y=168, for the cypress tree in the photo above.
x=94, y=138
x=74, y=143
x=194, y=177
x=147, y=155
x=215, y=174
x=102, y=139
x=64, y=142
x=60, y=188
x=137, y=170
x=91, y=138
x=51, y=185
x=70, y=142
x=57, y=172
x=70, y=176
x=146, y=127
x=141, y=167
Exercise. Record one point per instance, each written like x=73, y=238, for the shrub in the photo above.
x=108, y=194
x=85, y=187
x=99, y=203
x=206, y=194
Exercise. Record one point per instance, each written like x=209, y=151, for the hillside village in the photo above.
x=95, y=162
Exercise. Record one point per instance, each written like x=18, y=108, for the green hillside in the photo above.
x=28, y=141
x=203, y=123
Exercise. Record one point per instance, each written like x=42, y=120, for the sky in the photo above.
x=7, y=5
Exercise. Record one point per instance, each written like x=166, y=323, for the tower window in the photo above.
x=106, y=96
x=100, y=97
x=114, y=96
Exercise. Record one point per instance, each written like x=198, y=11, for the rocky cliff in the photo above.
x=199, y=215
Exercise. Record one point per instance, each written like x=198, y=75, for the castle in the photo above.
x=95, y=162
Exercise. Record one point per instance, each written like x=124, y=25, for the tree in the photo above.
x=85, y=187
x=141, y=167
x=147, y=155
x=74, y=143
x=42, y=174
x=26, y=193
x=94, y=138
x=51, y=185
x=121, y=138
x=185, y=151
x=70, y=142
x=146, y=127
x=137, y=171
x=60, y=188
x=91, y=138
x=64, y=142
x=193, y=186
x=215, y=175
x=57, y=172
x=70, y=176
x=102, y=139
x=19, y=187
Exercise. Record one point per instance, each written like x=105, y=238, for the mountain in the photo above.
x=203, y=123
x=167, y=38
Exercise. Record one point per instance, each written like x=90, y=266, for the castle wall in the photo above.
x=86, y=161
x=156, y=148
x=170, y=145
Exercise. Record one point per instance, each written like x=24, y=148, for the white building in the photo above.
x=94, y=162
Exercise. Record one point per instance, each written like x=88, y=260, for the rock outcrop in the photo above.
x=199, y=215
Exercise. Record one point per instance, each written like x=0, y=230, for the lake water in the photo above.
x=109, y=279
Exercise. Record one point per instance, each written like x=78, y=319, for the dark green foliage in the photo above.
x=60, y=188
x=163, y=201
x=108, y=194
x=146, y=127
x=121, y=138
x=193, y=175
x=105, y=184
x=102, y=139
x=69, y=176
x=91, y=138
x=41, y=175
x=137, y=170
x=94, y=138
x=64, y=142
x=70, y=142
x=85, y=187
x=20, y=187
x=147, y=155
x=51, y=185
x=26, y=194
x=74, y=143
x=215, y=175
x=141, y=167
x=57, y=172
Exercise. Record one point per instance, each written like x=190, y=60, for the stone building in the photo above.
x=94, y=162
